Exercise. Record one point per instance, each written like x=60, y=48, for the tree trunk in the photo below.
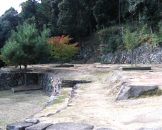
x=132, y=57
x=25, y=82
x=119, y=14
x=20, y=67
x=25, y=67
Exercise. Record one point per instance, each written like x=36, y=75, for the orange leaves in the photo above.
x=62, y=49
x=59, y=40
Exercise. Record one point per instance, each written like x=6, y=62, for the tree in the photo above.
x=62, y=49
x=68, y=17
x=25, y=46
x=106, y=12
x=54, y=17
x=29, y=9
x=8, y=21
x=130, y=40
x=74, y=18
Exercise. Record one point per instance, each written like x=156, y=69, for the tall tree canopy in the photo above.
x=8, y=21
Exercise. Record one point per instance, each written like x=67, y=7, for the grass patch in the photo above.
x=155, y=92
x=3, y=121
x=61, y=98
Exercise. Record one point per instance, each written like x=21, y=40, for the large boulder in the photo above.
x=40, y=126
x=132, y=91
x=70, y=126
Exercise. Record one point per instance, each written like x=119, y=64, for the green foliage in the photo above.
x=159, y=34
x=134, y=37
x=67, y=17
x=81, y=18
x=73, y=18
x=25, y=46
x=145, y=35
x=61, y=48
x=8, y=21
x=106, y=12
x=29, y=9
x=130, y=39
x=111, y=38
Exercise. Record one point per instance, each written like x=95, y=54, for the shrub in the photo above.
x=130, y=39
x=62, y=49
x=134, y=37
x=25, y=46
x=146, y=36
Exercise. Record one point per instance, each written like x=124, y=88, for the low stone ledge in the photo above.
x=70, y=126
x=135, y=68
x=65, y=65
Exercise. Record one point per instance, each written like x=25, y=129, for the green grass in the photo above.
x=3, y=121
x=61, y=98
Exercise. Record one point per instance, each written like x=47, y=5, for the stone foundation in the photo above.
x=47, y=81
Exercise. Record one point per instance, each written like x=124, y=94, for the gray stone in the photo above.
x=130, y=91
x=51, y=84
x=150, y=129
x=34, y=121
x=70, y=126
x=18, y=126
x=40, y=126
x=104, y=129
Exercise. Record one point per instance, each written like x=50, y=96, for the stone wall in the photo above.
x=47, y=81
x=9, y=80
x=143, y=54
x=50, y=83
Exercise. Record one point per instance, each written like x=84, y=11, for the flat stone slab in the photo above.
x=65, y=65
x=135, y=68
x=26, y=88
x=104, y=129
x=18, y=126
x=40, y=126
x=70, y=126
x=130, y=91
x=34, y=121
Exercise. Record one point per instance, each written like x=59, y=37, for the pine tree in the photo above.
x=25, y=46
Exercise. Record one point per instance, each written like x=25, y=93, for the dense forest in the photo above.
x=119, y=24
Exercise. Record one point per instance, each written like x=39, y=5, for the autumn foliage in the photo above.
x=62, y=49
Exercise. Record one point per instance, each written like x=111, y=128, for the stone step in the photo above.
x=26, y=88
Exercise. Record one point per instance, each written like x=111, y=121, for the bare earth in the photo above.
x=18, y=106
x=95, y=102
